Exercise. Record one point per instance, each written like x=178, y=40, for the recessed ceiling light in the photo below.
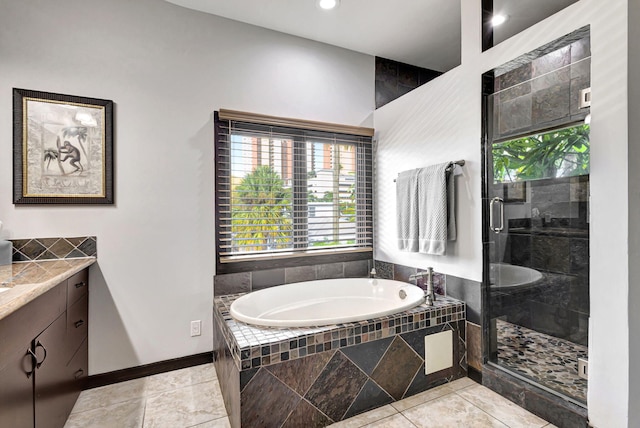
x=328, y=4
x=498, y=19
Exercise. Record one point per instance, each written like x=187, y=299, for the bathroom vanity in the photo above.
x=43, y=340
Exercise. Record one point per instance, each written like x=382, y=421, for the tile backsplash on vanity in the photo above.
x=25, y=250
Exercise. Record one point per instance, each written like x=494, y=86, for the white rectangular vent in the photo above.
x=438, y=352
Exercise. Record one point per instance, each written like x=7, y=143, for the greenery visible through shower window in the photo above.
x=558, y=153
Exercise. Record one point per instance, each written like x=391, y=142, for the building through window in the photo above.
x=285, y=192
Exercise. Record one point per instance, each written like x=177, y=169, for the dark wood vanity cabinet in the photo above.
x=44, y=356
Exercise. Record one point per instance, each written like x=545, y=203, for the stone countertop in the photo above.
x=22, y=282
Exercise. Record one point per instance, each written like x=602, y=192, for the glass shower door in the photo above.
x=538, y=254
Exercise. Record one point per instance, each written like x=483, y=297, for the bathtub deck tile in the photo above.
x=247, y=341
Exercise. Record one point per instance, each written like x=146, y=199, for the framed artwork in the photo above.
x=62, y=149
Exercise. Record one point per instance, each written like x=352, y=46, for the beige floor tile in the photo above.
x=463, y=382
x=185, y=407
x=423, y=397
x=109, y=395
x=367, y=418
x=216, y=423
x=179, y=379
x=128, y=414
x=450, y=411
x=501, y=408
x=395, y=421
x=144, y=387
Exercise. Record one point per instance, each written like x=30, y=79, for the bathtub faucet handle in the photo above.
x=430, y=296
x=373, y=273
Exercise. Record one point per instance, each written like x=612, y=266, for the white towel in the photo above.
x=407, y=210
x=432, y=209
x=426, y=209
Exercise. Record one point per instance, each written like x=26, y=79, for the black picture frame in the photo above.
x=62, y=149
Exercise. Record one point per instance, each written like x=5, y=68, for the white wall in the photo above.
x=440, y=121
x=167, y=69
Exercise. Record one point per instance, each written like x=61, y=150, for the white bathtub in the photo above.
x=504, y=275
x=325, y=302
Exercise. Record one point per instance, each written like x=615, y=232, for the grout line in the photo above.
x=408, y=420
x=546, y=423
x=483, y=410
x=426, y=401
x=144, y=412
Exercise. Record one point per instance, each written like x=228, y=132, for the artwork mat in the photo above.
x=86, y=124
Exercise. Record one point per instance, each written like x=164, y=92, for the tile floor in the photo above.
x=191, y=398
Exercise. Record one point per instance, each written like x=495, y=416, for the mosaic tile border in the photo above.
x=253, y=346
x=26, y=250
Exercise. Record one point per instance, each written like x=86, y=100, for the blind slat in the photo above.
x=295, y=190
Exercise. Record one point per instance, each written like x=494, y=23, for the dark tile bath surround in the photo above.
x=316, y=376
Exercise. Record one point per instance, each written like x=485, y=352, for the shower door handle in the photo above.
x=491, y=222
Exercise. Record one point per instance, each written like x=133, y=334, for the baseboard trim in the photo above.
x=474, y=374
x=116, y=376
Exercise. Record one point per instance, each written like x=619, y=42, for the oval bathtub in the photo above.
x=325, y=302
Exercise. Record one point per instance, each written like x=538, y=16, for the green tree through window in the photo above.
x=558, y=153
x=261, y=214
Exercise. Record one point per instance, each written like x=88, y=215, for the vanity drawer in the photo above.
x=78, y=369
x=77, y=286
x=77, y=324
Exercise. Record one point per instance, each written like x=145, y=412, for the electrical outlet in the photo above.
x=195, y=328
x=583, y=368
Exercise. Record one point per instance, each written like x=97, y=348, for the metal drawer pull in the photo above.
x=79, y=323
x=39, y=345
x=34, y=360
x=81, y=284
x=78, y=374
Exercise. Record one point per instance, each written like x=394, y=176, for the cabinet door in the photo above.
x=16, y=390
x=51, y=385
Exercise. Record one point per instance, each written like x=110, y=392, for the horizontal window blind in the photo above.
x=283, y=191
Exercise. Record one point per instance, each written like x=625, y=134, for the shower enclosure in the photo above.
x=536, y=195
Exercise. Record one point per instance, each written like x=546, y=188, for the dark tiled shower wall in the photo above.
x=556, y=244
x=394, y=79
x=53, y=248
x=542, y=93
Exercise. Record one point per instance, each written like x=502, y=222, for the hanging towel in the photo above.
x=436, y=208
x=407, y=210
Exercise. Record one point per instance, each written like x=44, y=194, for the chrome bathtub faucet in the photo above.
x=429, y=295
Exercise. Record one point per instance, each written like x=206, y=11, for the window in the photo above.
x=560, y=152
x=284, y=192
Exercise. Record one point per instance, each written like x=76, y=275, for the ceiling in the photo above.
x=425, y=33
